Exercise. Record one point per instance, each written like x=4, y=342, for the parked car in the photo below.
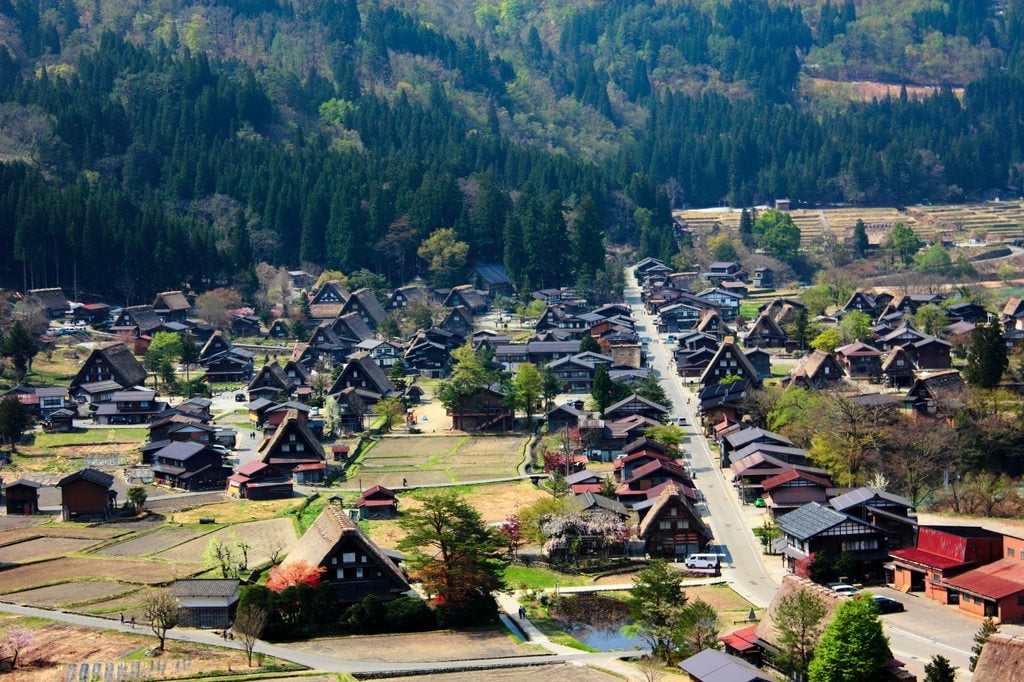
x=239, y=397
x=887, y=604
x=760, y=503
x=844, y=589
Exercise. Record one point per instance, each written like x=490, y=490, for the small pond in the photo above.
x=595, y=620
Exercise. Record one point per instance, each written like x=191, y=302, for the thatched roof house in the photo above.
x=1001, y=658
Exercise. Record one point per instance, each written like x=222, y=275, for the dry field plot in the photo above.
x=263, y=537
x=42, y=548
x=421, y=646
x=236, y=511
x=70, y=593
x=58, y=645
x=416, y=447
x=82, y=568
x=161, y=540
x=563, y=672
x=64, y=530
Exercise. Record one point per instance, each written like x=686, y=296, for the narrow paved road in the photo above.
x=316, y=661
x=744, y=566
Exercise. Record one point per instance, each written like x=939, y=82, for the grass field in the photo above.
x=236, y=511
x=528, y=577
x=425, y=460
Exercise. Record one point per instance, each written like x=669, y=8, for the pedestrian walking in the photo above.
x=122, y=619
x=522, y=613
x=133, y=622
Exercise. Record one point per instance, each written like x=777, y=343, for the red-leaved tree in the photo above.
x=294, y=574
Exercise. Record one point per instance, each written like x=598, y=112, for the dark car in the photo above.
x=239, y=397
x=887, y=605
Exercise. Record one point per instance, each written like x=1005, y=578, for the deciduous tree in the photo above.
x=161, y=613
x=294, y=574
x=798, y=620
x=445, y=256
x=249, y=624
x=656, y=605
x=853, y=647
x=698, y=628
x=456, y=556
x=528, y=385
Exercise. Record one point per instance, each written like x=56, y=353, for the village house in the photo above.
x=171, y=306
x=585, y=481
x=935, y=395
x=728, y=361
x=205, y=603
x=189, y=465
x=377, y=502
x=466, y=296
x=139, y=320
x=366, y=377
x=92, y=313
x=134, y=406
x=491, y=279
x=270, y=383
x=816, y=530
x=671, y=528
x=259, y=481
x=354, y=566
x=890, y=512
x=863, y=303
x=403, y=297
x=327, y=302
x=898, y=368
x=458, y=320
x=817, y=370
x=860, y=361
x=52, y=302
x=246, y=326
x=765, y=333
x=727, y=302
x=785, y=492
x=279, y=330
x=710, y=665
x=363, y=303
x=484, y=410
x=109, y=362
x=636, y=405
x=718, y=401
x=294, y=448
x=594, y=503
x=723, y=271
x=764, y=278
x=564, y=416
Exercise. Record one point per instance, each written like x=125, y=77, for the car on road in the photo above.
x=681, y=421
x=670, y=338
x=844, y=589
x=887, y=604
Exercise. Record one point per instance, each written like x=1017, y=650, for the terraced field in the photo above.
x=263, y=538
x=161, y=540
x=1000, y=220
x=42, y=548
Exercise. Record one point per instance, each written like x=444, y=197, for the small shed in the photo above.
x=60, y=421
x=205, y=603
x=87, y=493
x=309, y=472
x=378, y=503
x=22, y=497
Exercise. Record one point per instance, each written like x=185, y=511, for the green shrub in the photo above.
x=407, y=614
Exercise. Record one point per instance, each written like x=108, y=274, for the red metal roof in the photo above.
x=363, y=502
x=309, y=467
x=924, y=558
x=999, y=579
x=792, y=475
x=743, y=639
x=580, y=488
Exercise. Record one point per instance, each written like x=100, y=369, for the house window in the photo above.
x=1009, y=552
x=664, y=525
x=348, y=557
x=674, y=511
x=683, y=524
x=1020, y=600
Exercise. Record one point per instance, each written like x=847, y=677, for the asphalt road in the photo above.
x=920, y=634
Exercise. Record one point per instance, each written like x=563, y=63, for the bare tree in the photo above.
x=15, y=643
x=798, y=621
x=249, y=624
x=161, y=612
x=651, y=669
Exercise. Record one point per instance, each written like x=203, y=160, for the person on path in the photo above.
x=122, y=619
x=133, y=622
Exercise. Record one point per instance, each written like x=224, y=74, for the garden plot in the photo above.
x=263, y=537
x=85, y=569
x=70, y=593
x=42, y=548
x=161, y=540
x=64, y=530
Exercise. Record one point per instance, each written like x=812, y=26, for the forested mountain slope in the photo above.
x=181, y=142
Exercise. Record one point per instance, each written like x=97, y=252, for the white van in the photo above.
x=703, y=561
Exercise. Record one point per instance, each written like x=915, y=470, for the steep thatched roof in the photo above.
x=767, y=630
x=1001, y=658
